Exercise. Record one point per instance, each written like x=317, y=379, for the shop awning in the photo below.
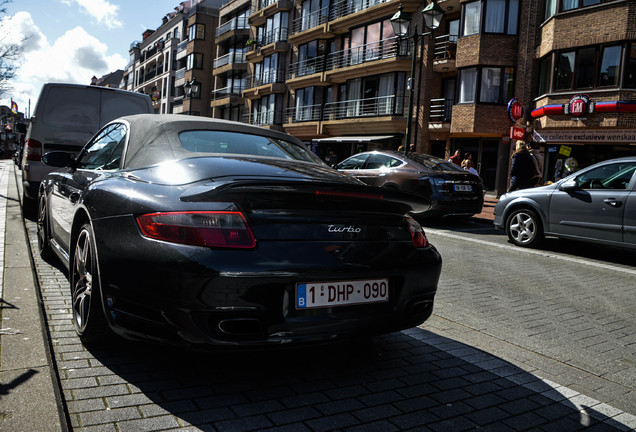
x=353, y=139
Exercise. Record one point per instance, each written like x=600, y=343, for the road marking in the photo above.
x=551, y=255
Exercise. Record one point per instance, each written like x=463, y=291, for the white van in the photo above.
x=66, y=116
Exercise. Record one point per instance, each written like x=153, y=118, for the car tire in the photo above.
x=524, y=228
x=43, y=229
x=88, y=314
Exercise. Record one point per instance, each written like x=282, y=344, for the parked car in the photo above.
x=452, y=190
x=211, y=232
x=65, y=118
x=596, y=204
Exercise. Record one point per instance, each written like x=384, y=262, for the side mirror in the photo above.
x=57, y=159
x=569, y=186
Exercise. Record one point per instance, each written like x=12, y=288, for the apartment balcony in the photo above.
x=230, y=62
x=303, y=122
x=262, y=9
x=182, y=50
x=310, y=27
x=179, y=77
x=382, y=115
x=345, y=14
x=235, y=28
x=272, y=81
x=307, y=73
x=440, y=114
x=445, y=54
x=272, y=42
x=268, y=118
x=388, y=55
x=227, y=96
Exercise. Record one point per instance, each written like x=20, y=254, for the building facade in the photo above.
x=334, y=74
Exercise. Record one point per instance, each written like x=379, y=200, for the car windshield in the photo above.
x=223, y=142
x=433, y=163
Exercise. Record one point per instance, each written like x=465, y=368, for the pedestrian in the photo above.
x=537, y=158
x=522, y=170
x=467, y=164
x=456, y=158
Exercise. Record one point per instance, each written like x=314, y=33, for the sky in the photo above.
x=73, y=40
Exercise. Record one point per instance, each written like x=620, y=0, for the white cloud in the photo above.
x=101, y=11
x=73, y=58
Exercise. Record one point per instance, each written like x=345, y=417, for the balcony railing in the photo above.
x=179, y=74
x=232, y=57
x=237, y=23
x=347, y=7
x=441, y=110
x=445, y=47
x=306, y=67
x=262, y=4
x=271, y=76
x=370, y=107
x=303, y=113
x=277, y=35
x=379, y=50
x=311, y=20
x=182, y=46
x=227, y=92
x=264, y=118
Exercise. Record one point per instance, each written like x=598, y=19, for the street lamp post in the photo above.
x=191, y=88
x=401, y=21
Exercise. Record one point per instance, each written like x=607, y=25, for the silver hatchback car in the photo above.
x=596, y=204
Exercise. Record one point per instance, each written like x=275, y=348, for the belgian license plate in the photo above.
x=463, y=188
x=327, y=294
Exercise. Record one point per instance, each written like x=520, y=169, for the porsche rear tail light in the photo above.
x=417, y=232
x=225, y=229
x=33, y=150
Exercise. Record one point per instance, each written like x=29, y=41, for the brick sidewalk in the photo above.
x=488, y=209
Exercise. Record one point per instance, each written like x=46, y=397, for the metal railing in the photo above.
x=227, y=92
x=236, y=23
x=262, y=4
x=370, y=107
x=311, y=20
x=232, y=57
x=445, y=47
x=347, y=7
x=179, y=74
x=306, y=67
x=264, y=118
x=271, y=76
x=387, y=48
x=441, y=110
x=304, y=113
x=277, y=35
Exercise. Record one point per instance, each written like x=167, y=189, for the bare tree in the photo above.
x=9, y=54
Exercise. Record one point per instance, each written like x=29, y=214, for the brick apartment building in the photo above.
x=334, y=74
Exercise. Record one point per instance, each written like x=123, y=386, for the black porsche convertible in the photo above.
x=215, y=233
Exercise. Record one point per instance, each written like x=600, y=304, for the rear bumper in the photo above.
x=202, y=296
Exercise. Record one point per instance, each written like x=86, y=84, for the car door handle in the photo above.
x=613, y=202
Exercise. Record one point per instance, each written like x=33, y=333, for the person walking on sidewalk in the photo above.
x=522, y=169
x=537, y=158
x=456, y=158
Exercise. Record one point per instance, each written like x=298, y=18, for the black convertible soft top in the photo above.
x=158, y=136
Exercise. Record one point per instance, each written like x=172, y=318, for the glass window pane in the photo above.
x=544, y=78
x=565, y=71
x=630, y=68
x=590, y=2
x=610, y=66
x=495, y=16
x=513, y=16
x=472, y=18
x=570, y=4
x=550, y=8
x=585, y=68
x=490, y=85
x=467, y=85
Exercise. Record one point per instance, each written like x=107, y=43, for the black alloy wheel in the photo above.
x=88, y=315
x=43, y=229
x=524, y=228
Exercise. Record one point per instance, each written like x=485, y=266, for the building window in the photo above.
x=630, y=67
x=554, y=6
x=194, y=61
x=275, y=29
x=196, y=31
x=313, y=13
x=544, y=75
x=494, y=85
x=490, y=16
x=587, y=68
